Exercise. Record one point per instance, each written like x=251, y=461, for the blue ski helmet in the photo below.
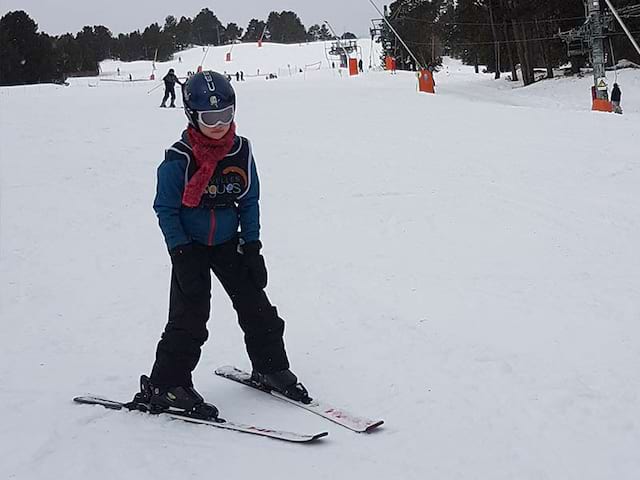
x=207, y=91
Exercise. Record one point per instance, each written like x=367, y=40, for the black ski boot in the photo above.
x=143, y=397
x=183, y=400
x=284, y=382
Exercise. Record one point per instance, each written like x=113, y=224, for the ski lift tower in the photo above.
x=376, y=31
x=377, y=26
x=597, y=55
x=588, y=39
x=344, y=50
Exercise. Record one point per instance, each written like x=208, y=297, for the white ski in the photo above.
x=325, y=410
x=223, y=424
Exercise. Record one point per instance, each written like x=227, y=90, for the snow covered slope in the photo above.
x=559, y=93
x=285, y=60
x=463, y=265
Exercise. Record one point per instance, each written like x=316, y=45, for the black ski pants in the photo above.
x=179, y=349
x=169, y=91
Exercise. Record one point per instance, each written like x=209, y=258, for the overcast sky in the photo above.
x=123, y=16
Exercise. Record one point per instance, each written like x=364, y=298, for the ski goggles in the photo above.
x=216, y=118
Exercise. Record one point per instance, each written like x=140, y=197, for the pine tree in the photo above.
x=255, y=30
x=286, y=27
x=207, y=29
x=232, y=33
x=183, y=33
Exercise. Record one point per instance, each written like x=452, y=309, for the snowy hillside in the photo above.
x=559, y=93
x=463, y=265
x=283, y=60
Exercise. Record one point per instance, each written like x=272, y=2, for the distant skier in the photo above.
x=360, y=66
x=237, y=76
x=170, y=81
x=616, y=95
x=207, y=203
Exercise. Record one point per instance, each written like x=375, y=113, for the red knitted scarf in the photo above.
x=207, y=153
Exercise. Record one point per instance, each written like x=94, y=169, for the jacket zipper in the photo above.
x=212, y=228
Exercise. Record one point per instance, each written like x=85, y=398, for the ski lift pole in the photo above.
x=206, y=52
x=264, y=30
x=228, y=55
x=623, y=25
x=613, y=59
x=153, y=69
x=397, y=35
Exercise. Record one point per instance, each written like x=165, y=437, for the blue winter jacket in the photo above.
x=229, y=203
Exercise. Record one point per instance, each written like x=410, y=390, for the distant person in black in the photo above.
x=170, y=81
x=616, y=95
x=360, y=66
x=237, y=76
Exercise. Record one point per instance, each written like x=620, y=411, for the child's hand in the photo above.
x=254, y=263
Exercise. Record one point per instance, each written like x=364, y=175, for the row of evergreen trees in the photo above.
x=501, y=34
x=29, y=56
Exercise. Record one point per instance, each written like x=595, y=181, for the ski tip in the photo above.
x=373, y=426
x=226, y=369
x=89, y=399
x=319, y=435
x=93, y=400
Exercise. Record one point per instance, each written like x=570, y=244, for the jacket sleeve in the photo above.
x=168, y=201
x=249, y=208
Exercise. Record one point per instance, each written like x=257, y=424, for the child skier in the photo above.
x=208, y=210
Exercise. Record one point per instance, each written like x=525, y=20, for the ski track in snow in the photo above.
x=464, y=266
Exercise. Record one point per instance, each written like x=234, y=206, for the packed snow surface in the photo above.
x=464, y=265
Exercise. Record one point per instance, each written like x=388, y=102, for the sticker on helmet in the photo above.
x=210, y=82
